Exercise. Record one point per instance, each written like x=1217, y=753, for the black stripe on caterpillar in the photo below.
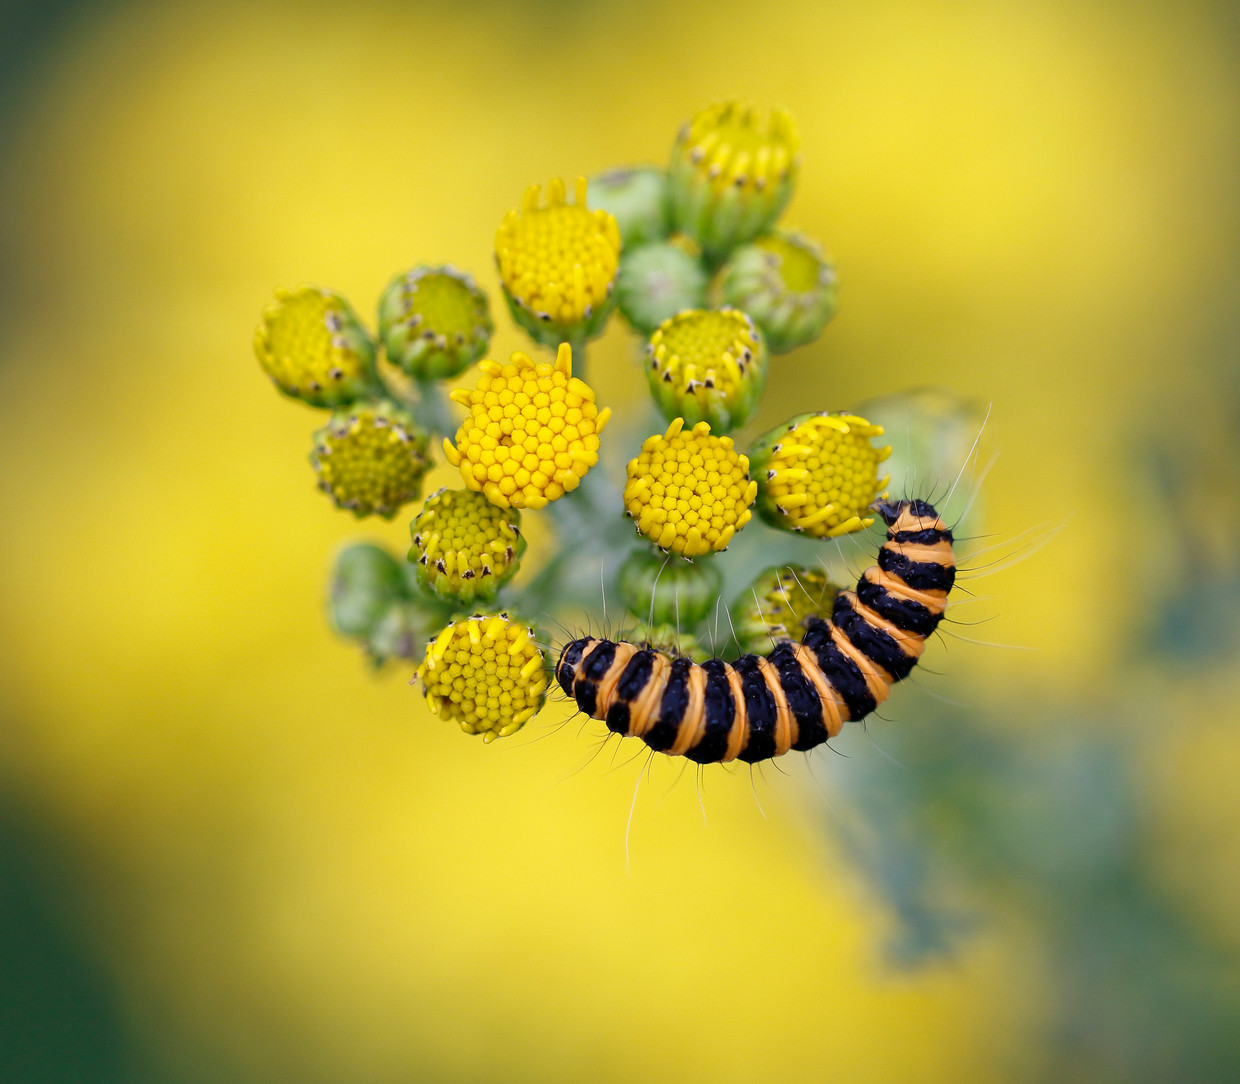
x=797, y=696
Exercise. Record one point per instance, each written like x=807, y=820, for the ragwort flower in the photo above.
x=371, y=458
x=464, y=547
x=689, y=491
x=486, y=673
x=776, y=604
x=818, y=474
x=532, y=431
x=558, y=265
x=314, y=348
x=434, y=322
x=732, y=173
x=707, y=366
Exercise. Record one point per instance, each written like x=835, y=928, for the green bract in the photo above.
x=665, y=589
x=636, y=197
x=775, y=606
x=658, y=281
x=434, y=322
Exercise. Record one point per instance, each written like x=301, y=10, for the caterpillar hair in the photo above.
x=798, y=695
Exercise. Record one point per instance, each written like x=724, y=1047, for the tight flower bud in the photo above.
x=689, y=491
x=668, y=591
x=732, y=173
x=658, y=281
x=558, y=265
x=784, y=283
x=464, y=547
x=486, y=673
x=370, y=459
x=365, y=581
x=434, y=322
x=532, y=431
x=707, y=366
x=314, y=348
x=776, y=605
x=636, y=197
x=818, y=474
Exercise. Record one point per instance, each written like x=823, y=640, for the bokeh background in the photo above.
x=229, y=853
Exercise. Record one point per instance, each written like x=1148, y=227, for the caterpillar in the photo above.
x=798, y=695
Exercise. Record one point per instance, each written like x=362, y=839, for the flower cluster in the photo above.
x=695, y=262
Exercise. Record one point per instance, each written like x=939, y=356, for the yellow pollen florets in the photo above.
x=689, y=491
x=486, y=673
x=370, y=459
x=558, y=262
x=532, y=431
x=819, y=474
x=464, y=546
x=311, y=344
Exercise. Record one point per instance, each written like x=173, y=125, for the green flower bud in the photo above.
x=404, y=629
x=314, y=348
x=434, y=322
x=817, y=474
x=636, y=197
x=365, y=581
x=777, y=603
x=464, y=547
x=668, y=590
x=707, y=366
x=786, y=285
x=732, y=173
x=658, y=281
x=370, y=458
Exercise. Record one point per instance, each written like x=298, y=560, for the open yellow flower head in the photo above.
x=314, y=348
x=776, y=604
x=705, y=365
x=732, y=173
x=465, y=547
x=784, y=282
x=818, y=474
x=689, y=491
x=486, y=673
x=370, y=459
x=558, y=265
x=434, y=322
x=532, y=431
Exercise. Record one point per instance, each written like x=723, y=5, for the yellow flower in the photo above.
x=776, y=604
x=370, y=459
x=532, y=431
x=707, y=366
x=689, y=491
x=314, y=348
x=465, y=547
x=558, y=265
x=732, y=173
x=818, y=474
x=434, y=322
x=486, y=673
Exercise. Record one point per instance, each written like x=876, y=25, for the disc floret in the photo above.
x=532, y=431
x=707, y=366
x=434, y=322
x=486, y=673
x=558, y=265
x=371, y=458
x=464, y=547
x=314, y=348
x=732, y=172
x=689, y=491
x=818, y=474
x=785, y=283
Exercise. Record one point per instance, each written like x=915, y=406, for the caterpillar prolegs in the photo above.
x=797, y=696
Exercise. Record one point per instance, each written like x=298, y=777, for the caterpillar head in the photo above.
x=889, y=511
x=569, y=660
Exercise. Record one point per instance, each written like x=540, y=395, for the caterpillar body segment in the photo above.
x=799, y=694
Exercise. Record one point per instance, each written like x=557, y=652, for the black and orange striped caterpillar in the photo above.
x=798, y=695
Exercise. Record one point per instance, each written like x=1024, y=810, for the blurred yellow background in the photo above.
x=287, y=870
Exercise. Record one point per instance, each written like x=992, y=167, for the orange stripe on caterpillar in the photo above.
x=798, y=695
